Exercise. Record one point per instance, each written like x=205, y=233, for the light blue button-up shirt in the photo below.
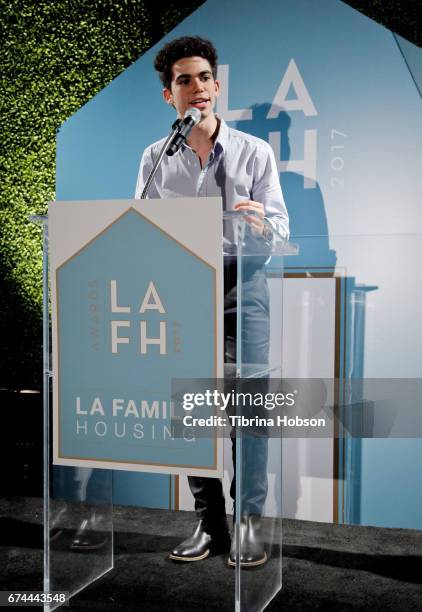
x=239, y=167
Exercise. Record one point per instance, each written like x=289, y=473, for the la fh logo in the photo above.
x=149, y=301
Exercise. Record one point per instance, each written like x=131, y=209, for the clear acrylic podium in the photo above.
x=258, y=357
x=253, y=352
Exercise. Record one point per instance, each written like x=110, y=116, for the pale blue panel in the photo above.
x=391, y=491
x=133, y=252
x=146, y=490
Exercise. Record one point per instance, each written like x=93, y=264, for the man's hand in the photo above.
x=257, y=220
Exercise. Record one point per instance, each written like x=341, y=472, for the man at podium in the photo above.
x=217, y=160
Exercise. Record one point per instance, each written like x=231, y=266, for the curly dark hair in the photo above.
x=186, y=46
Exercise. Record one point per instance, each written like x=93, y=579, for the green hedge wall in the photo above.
x=54, y=57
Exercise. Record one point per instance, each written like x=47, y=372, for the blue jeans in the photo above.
x=208, y=492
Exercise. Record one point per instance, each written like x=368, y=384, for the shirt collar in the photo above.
x=223, y=135
x=221, y=140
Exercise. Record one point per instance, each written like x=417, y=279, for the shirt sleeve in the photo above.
x=267, y=190
x=145, y=168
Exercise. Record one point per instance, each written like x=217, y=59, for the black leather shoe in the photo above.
x=87, y=538
x=252, y=551
x=203, y=542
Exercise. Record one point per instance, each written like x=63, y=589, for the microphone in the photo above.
x=179, y=131
x=191, y=118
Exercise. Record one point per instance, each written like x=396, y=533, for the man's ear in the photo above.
x=217, y=88
x=167, y=95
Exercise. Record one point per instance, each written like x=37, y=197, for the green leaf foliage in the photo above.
x=54, y=57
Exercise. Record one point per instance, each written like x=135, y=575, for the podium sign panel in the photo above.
x=137, y=295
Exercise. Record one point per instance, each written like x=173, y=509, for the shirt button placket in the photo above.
x=201, y=189
x=201, y=181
